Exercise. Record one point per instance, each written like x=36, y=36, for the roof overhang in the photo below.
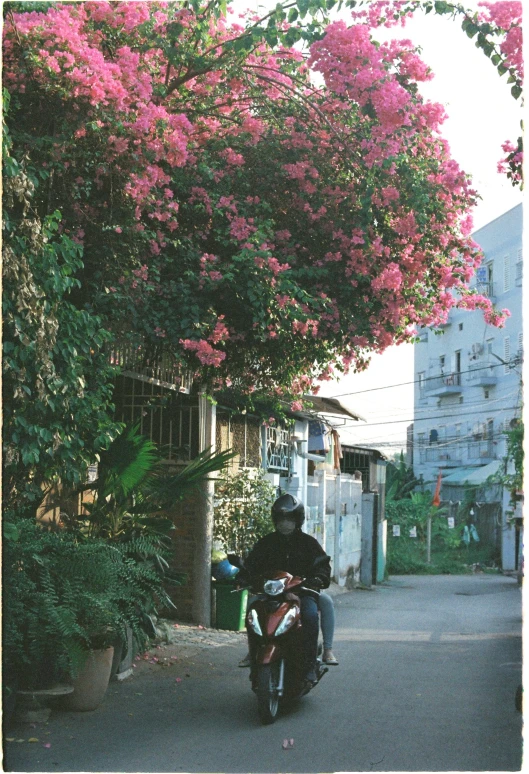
x=472, y=476
x=327, y=406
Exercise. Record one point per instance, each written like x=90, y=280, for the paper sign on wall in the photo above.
x=413, y=532
x=451, y=522
x=396, y=530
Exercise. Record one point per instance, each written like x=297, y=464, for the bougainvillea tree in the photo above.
x=263, y=212
x=496, y=29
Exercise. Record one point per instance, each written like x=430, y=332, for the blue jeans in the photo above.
x=326, y=608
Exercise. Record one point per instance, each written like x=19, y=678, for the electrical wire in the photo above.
x=436, y=416
x=511, y=364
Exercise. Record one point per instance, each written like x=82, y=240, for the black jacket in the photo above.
x=298, y=553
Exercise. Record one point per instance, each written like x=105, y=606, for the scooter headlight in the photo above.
x=253, y=622
x=287, y=621
x=274, y=587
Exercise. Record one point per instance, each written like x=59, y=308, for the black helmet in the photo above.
x=288, y=505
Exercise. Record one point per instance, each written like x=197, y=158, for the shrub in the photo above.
x=242, y=510
x=64, y=595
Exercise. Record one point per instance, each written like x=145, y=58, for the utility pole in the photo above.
x=204, y=518
x=429, y=538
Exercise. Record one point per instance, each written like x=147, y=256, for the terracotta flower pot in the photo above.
x=90, y=686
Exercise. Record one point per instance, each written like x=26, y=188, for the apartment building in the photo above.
x=468, y=376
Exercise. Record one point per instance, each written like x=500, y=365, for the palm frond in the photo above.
x=166, y=488
x=126, y=463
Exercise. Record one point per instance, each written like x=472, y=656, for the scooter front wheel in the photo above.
x=267, y=695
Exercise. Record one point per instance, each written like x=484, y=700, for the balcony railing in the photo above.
x=443, y=384
x=481, y=450
x=454, y=451
x=450, y=455
x=482, y=372
x=157, y=368
x=485, y=289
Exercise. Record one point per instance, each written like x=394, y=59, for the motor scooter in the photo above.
x=273, y=623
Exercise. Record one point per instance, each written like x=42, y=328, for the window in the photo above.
x=520, y=345
x=460, y=326
x=420, y=379
x=490, y=343
x=486, y=394
x=507, y=355
x=278, y=449
x=506, y=274
x=458, y=361
x=442, y=360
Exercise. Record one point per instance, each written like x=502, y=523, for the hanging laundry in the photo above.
x=474, y=533
x=318, y=437
x=337, y=449
x=466, y=536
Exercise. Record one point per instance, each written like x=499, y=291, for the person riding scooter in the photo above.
x=291, y=550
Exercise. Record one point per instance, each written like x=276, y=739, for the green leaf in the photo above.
x=471, y=29
x=10, y=531
x=303, y=6
x=516, y=91
x=293, y=15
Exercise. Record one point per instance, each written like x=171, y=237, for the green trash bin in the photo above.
x=230, y=606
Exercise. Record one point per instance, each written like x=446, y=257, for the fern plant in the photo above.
x=64, y=595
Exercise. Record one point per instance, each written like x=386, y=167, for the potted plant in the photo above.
x=66, y=597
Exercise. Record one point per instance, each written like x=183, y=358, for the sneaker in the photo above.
x=311, y=676
x=329, y=658
x=246, y=661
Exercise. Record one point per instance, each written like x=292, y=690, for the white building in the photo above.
x=468, y=378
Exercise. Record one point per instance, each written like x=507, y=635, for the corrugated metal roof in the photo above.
x=332, y=406
x=472, y=476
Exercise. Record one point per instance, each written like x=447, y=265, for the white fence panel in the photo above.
x=334, y=518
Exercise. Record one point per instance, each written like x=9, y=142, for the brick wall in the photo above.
x=183, y=552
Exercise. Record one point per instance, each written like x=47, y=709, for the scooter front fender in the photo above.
x=268, y=653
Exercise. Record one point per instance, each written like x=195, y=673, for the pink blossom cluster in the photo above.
x=507, y=17
x=206, y=354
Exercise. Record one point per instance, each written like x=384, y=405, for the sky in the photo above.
x=482, y=114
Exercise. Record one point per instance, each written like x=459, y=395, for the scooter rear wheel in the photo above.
x=267, y=696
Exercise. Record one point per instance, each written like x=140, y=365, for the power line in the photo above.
x=424, y=419
x=511, y=364
x=468, y=406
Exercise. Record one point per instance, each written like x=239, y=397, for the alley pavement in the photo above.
x=429, y=668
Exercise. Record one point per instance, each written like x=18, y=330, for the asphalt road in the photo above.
x=428, y=672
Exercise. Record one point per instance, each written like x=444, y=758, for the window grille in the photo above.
x=240, y=434
x=168, y=418
x=278, y=450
